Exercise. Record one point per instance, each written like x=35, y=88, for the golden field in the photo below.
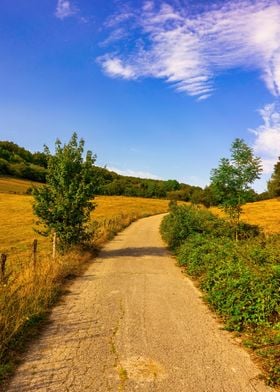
x=14, y=185
x=18, y=221
x=265, y=214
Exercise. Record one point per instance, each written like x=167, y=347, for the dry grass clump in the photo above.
x=25, y=297
x=27, y=292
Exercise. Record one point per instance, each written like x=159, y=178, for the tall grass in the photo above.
x=28, y=292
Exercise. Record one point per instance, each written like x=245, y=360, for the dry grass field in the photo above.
x=14, y=185
x=265, y=214
x=111, y=214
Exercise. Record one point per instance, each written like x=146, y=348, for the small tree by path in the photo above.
x=232, y=179
x=64, y=204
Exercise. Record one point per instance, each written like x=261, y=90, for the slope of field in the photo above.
x=14, y=185
x=264, y=213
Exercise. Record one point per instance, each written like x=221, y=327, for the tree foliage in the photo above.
x=232, y=179
x=273, y=185
x=64, y=204
x=18, y=162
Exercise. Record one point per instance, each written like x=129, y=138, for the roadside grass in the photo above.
x=240, y=280
x=28, y=293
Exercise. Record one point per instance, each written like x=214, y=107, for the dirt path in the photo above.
x=133, y=322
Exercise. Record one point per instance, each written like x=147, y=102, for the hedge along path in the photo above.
x=134, y=322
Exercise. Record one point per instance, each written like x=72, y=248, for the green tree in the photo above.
x=64, y=204
x=171, y=185
x=197, y=195
x=230, y=181
x=273, y=184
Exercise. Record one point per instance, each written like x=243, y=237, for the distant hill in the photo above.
x=17, y=162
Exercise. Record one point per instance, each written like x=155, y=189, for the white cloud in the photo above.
x=65, y=9
x=189, y=50
x=116, y=35
x=116, y=68
x=134, y=173
x=267, y=142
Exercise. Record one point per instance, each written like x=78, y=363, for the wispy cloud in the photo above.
x=65, y=9
x=267, y=142
x=189, y=49
x=114, y=67
x=134, y=173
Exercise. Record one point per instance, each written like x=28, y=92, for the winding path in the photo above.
x=134, y=322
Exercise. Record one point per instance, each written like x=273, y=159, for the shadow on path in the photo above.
x=134, y=252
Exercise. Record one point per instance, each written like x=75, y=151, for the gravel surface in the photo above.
x=134, y=322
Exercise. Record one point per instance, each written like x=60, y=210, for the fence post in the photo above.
x=54, y=245
x=34, y=253
x=3, y=267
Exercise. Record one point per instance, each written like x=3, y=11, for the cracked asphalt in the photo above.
x=134, y=322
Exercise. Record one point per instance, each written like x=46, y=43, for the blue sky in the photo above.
x=157, y=89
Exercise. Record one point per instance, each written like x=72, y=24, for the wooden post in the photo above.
x=34, y=253
x=3, y=267
x=54, y=245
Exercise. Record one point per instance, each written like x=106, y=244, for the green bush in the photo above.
x=183, y=221
x=241, y=280
x=245, y=297
x=200, y=250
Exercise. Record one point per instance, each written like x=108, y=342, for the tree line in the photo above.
x=18, y=162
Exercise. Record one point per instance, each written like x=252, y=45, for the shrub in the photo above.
x=246, y=297
x=186, y=220
x=200, y=250
x=246, y=293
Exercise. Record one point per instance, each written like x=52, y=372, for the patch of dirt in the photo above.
x=143, y=369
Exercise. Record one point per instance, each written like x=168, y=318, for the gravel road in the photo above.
x=134, y=322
